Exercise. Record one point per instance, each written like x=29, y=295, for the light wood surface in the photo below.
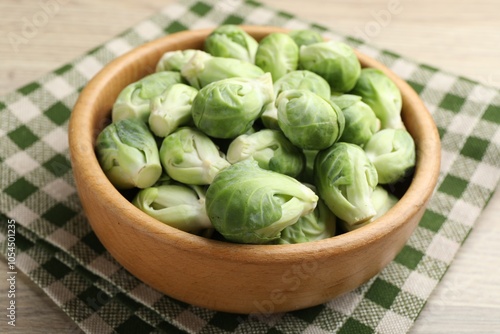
x=462, y=37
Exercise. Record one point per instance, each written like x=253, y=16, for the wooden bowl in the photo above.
x=232, y=277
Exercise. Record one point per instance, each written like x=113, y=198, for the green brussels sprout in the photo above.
x=248, y=204
x=309, y=121
x=336, y=62
x=302, y=79
x=345, y=178
x=277, y=54
x=230, y=41
x=171, y=109
x=360, y=120
x=176, y=205
x=134, y=100
x=344, y=101
x=128, y=154
x=317, y=225
x=203, y=69
x=164, y=179
x=392, y=152
x=228, y=108
x=269, y=116
x=382, y=95
x=190, y=157
x=308, y=171
x=270, y=148
x=305, y=37
x=382, y=201
x=175, y=60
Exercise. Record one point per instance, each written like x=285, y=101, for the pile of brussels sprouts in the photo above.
x=269, y=142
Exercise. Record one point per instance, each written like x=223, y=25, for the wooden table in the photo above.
x=462, y=37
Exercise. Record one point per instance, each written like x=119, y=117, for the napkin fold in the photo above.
x=57, y=249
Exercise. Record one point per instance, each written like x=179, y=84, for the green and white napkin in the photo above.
x=57, y=249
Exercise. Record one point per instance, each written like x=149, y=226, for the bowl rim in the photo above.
x=82, y=133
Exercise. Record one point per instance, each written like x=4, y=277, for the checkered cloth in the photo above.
x=57, y=249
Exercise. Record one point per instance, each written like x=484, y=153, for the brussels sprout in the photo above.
x=382, y=201
x=392, y=152
x=305, y=37
x=203, y=69
x=317, y=225
x=360, y=120
x=189, y=156
x=277, y=54
x=345, y=178
x=382, y=95
x=302, y=79
x=336, y=62
x=128, y=155
x=309, y=121
x=134, y=100
x=248, y=204
x=344, y=101
x=269, y=116
x=230, y=41
x=308, y=171
x=176, y=205
x=228, y=108
x=175, y=60
x=164, y=179
x=270, y=149
x=171, y=109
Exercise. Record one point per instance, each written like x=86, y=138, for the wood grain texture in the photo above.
x=461, y=37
